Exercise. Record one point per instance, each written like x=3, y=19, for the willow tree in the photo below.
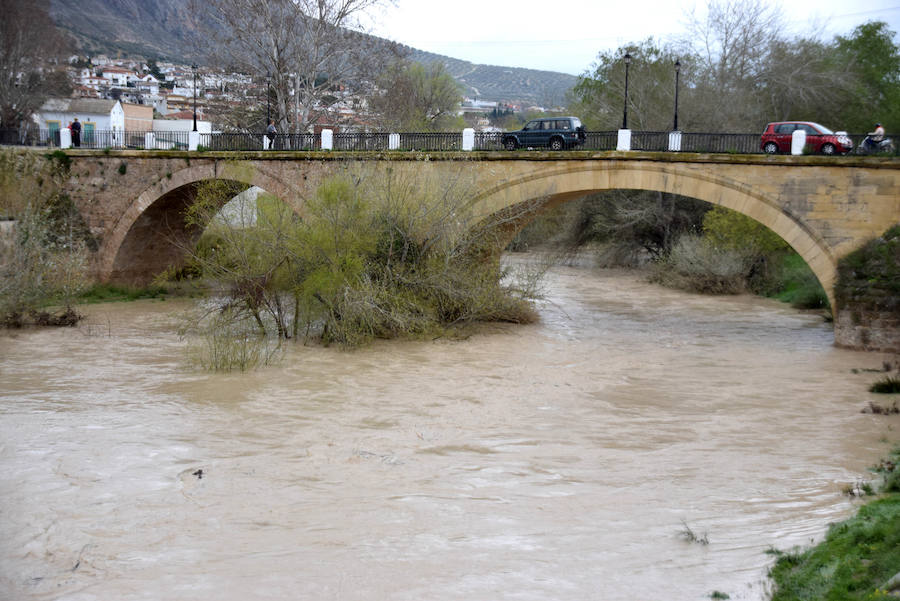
x=377, y=254
x=416, y=97
x=306, y=49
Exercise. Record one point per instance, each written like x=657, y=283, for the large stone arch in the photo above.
x=139, y=243
x=561, y=181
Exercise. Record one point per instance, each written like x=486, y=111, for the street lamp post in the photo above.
x=627, y=58
x=268, y=95
x=677, y=72
x=194, y=67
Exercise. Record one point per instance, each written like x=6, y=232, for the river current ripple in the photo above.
x=561, y=460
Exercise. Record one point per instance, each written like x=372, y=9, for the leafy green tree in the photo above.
x=416, y=97
x=599, y=96
x=873, y=59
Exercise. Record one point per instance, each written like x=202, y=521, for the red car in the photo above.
x=777, y=138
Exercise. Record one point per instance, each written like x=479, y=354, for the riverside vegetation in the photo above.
x=859, y=558
x=682, y=242
x=374, y=255
x=44, y=251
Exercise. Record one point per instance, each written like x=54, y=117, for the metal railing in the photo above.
x=648, y=141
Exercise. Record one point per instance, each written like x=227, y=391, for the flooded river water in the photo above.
x=563, y=460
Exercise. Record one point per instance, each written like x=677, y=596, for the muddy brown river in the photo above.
x=564, y=460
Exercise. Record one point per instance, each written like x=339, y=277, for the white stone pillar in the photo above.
x=674, y=141
x=193, y=140
x=266, y=142
x=327, y=139
x=624, y=141
x=393, y=141
x=798, y=141
x=65, y=137
x=468, y=140
x=149, y=140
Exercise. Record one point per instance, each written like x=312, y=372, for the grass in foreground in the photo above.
x=858, y=556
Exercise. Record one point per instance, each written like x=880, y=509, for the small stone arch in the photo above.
x=131, y=253
x=563, y=181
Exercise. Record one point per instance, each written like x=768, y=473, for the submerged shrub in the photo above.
x=224, y=344
x=888, y=385
x=696, y=265
x=376, y=255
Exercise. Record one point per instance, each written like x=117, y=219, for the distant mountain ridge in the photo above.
x=164, y=30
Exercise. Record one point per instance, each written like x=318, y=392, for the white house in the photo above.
x=117, y=75
x=181, y=125
x=173, y=133
x=95, y=114
x=146, y=83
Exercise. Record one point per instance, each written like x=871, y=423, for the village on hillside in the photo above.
x=137, y=96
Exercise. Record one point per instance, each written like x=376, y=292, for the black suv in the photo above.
x=558, y=133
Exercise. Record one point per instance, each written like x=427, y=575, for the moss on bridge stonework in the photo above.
x=870, y=162
x=868, y=294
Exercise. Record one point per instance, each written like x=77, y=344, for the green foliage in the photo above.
x=869, y=278
x=772, y=267
x=123, y=168
x=794, y=282
x=104, y=293
x=61, y=159
x=43, y=251
x=729, y=229
x=888, y=385
x=599, y=97
x=740, y=70
x=415, y=97
x=376, y=255
x=227, y=344
x=857, y=557
x=873, y=59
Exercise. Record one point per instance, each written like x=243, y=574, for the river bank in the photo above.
x=859, y=559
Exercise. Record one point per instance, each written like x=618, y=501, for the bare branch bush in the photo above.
x=44, y=249
x=377, y=254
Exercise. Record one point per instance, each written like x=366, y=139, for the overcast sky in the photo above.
x=566, y=35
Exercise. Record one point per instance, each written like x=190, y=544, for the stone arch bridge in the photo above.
x=824, y=207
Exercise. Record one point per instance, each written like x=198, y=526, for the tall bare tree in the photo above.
x=732, y=41
x=30, y=51
x=307, y=49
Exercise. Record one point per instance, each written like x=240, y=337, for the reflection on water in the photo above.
x=560, y=460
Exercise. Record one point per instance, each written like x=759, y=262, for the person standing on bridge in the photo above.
x=271, y=133
x=75, y=128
